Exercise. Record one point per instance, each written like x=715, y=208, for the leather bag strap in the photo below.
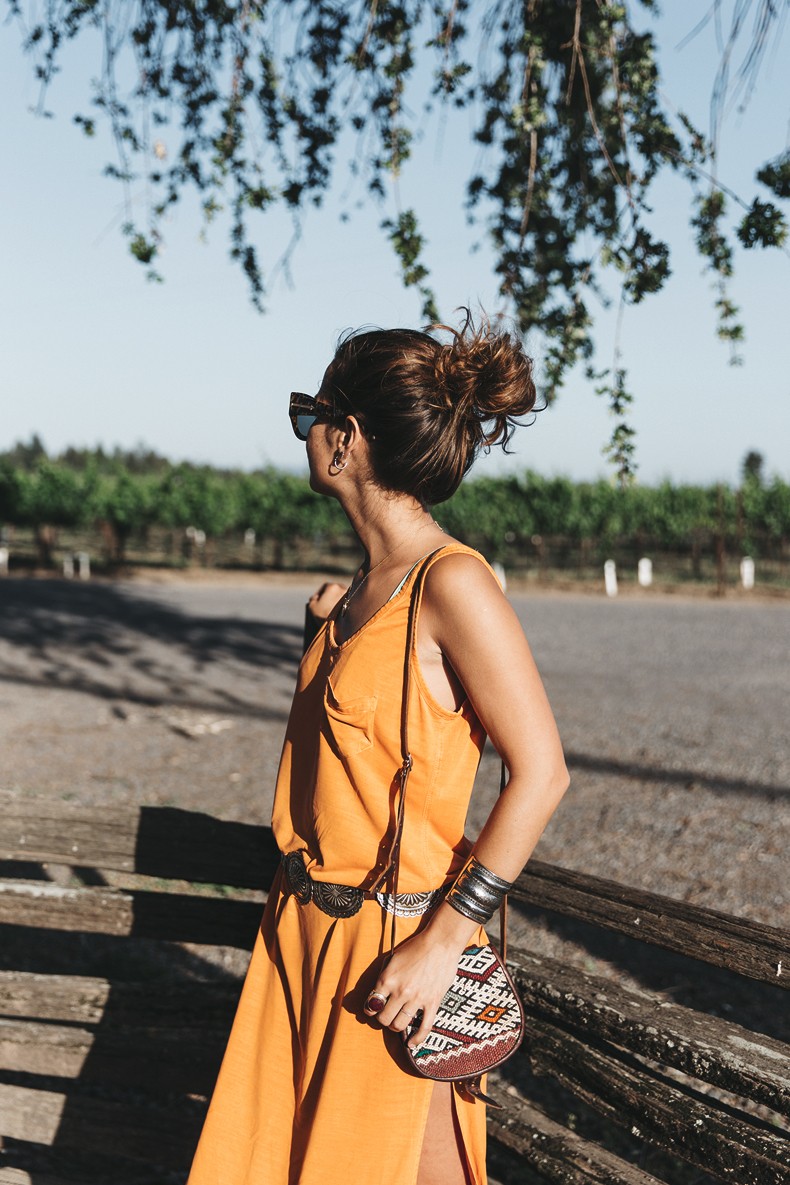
x=393, y=860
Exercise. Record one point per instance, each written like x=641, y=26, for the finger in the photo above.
x=425, y=1026
x=397, y=1002
x=319, y=592
x=388, y=1014
x=324, y=600
x=403, y=1019
x=376, y=1001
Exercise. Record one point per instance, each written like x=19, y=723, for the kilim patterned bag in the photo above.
x=480, y=1021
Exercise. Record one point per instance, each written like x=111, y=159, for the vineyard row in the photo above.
x=505, y=516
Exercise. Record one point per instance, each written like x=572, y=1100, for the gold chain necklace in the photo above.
x=354, y=588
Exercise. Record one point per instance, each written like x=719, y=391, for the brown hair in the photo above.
x=427, y=407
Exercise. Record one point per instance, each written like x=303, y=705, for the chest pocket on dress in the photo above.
x=350, y=723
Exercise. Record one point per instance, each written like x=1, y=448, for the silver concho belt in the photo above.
x=343, y=901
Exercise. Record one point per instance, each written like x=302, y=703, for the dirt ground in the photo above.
x=673, y=713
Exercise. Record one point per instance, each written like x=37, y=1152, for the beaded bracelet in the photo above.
x=477, y=892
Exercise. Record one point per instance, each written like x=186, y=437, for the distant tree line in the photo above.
x=128, y=493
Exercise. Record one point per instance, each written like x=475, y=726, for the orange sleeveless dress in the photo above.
x=311, y=1092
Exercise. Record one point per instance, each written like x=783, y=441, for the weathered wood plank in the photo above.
x=188, y=845
x=22, y=1177
x=572, y=1015
x=115, y=1126
x=709, y=1048
x=78, y=999
x=75, y=998
x=559, y=1155
x=187, y=1060
x=46, y=906
x=213, y=921
x=112, y=1174
x=30, y=1114
x=23, y=1163
x=700, y=1130
x=152, y=841
x=714, y=1050
x=750, y=948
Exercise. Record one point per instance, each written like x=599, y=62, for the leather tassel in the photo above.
x=469, y=1088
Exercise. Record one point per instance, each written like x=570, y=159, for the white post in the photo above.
x=84, y=564
x=3, y=561
x=644, y=572
x=249, y=537
x=499, y=571
x=200, y=538
x=610, y=578
x=747, y=572
x=68, y=565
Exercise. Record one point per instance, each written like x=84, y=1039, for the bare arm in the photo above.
x=466, y=617
x=466, y=622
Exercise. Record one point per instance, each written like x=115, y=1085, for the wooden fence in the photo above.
x=119, y=978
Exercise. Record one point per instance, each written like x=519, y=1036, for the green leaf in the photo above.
x=764, y=225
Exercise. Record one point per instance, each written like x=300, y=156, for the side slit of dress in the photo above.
x=451, y=1121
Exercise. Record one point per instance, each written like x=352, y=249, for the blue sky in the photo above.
x=93, y=353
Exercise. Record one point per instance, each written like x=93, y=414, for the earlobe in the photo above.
x=338, y=462
x=347, y=442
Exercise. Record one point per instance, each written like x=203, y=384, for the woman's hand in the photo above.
x=324, y=599
x=416, y=979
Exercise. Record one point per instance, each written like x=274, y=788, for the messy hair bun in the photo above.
x=429, y=405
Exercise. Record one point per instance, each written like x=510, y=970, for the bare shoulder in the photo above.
x=458, y=573
x=461, y=589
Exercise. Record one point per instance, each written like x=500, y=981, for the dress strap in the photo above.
x=440, y=553
x=431, y=557
x=401, y=583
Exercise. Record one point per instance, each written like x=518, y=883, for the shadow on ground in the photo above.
x=116, y=644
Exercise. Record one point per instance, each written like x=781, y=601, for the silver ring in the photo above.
x=376, y=1002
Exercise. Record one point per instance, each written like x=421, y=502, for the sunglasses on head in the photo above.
x=305, y=410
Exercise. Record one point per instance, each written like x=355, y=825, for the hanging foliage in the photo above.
x=251, y=103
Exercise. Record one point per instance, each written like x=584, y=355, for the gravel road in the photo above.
x=673, y=712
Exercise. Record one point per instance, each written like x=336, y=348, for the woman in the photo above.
x=315, y=1088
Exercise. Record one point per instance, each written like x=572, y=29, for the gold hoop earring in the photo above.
x=338, y=464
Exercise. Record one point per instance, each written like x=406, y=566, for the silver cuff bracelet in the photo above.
x=477, y=891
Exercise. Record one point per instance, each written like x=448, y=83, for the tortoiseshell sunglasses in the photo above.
x=305, y=410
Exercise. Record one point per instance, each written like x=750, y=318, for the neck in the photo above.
x=383, y=523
